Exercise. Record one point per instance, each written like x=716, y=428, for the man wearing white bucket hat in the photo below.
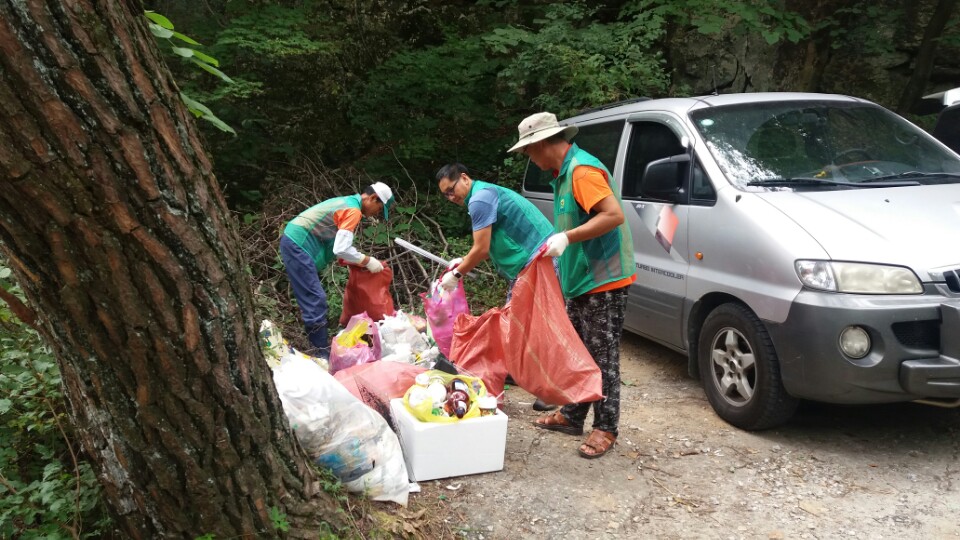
x=314, y=239
x=595, y=249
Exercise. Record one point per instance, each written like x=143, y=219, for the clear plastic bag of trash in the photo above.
x=398, y=335
x=340, y=432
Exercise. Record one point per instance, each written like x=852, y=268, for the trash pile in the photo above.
x=340, y=408
x=405, y=398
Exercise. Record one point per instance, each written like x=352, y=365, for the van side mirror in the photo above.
x=664, y=178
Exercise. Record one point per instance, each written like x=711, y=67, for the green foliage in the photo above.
x=274, y=31
x=163, y=29
x=331, y=484
x=429, y=106
x=46, y=489
x=568, y=61
x=486, y=289
x=769, y=18
x=279, y=519
x=288, y=100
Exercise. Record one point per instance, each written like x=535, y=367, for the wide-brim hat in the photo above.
x=540, y=126
x=385, y=194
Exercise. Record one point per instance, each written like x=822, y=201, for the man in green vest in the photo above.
x=314, y=239
x=506, y=228
x=595, y=249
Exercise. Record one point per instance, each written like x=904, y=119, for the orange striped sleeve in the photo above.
x=347, y=218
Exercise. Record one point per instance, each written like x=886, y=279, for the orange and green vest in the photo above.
x=587, y=265
x=314, y=229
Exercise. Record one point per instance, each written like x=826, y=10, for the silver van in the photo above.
x=793, y=246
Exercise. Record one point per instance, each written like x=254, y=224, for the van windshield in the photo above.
x=841, y=143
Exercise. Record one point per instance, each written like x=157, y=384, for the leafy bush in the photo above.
x=568, y=60
x=430, y=106
x=47, y=489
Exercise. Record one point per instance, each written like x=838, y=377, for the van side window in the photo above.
x=649, y=141
x=601, y=139
x=701, y=190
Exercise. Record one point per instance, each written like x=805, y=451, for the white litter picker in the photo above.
x=424, y=253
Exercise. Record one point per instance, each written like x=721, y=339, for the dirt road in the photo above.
x=679, y=471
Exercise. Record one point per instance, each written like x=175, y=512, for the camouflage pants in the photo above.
x=598, y=318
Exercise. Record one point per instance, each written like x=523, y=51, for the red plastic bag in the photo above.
x=366, y=291
x=479, y=345
x=530, y=338
x=442, y=308
x=358, y=343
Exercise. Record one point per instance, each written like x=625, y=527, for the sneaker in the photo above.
x=542, y=406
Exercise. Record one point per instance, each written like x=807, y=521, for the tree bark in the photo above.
x=923, y=64
x=119, y=235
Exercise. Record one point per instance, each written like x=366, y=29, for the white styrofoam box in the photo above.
x=441, y=450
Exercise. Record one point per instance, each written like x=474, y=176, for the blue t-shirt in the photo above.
x=483, y=208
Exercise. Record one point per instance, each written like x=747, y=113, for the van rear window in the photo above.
x=601, y=139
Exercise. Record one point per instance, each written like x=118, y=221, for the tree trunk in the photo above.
x=119, y=235
x=923, y=64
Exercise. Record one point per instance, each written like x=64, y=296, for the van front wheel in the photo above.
x=740, y=370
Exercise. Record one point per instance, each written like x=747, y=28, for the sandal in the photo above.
x=598, y=443
x=558, y=422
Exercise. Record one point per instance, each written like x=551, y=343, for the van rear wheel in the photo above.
x=740, y=370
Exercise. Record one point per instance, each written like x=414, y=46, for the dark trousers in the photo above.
x=598, y=319
x=312, y=299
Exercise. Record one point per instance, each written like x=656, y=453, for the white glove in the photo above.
x=556, y=244
x=454, y=263
x=449, y=281
x=374, y=265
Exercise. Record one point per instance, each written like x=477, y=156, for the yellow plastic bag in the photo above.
x=350, y=337
x=424, y=410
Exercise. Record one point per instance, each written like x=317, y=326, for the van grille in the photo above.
x=952, y=277
x=918, y=334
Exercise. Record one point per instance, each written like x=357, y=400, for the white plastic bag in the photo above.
x=340, y=432
x=399, y=336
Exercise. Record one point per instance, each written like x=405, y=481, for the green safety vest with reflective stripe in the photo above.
x=519, y=230
x=587, y=265
x=314, y=229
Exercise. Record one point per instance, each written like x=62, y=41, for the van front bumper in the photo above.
x=915, y=351
x=937, y=377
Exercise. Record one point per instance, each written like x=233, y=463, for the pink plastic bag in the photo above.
x=442, y=308
x=377, y=383
x=358, y=343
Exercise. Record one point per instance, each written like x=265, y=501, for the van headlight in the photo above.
x=863, y=278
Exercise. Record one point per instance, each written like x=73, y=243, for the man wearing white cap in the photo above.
x=313, y=239
x=595, y=249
